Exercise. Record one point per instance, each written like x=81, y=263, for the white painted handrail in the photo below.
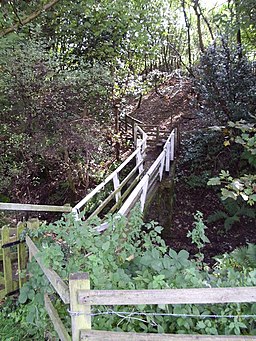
x=138, y=154
x=141, y=189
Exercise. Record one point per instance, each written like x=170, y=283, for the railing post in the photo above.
x=144, y=193
x=116, y=184
x=135, y=132
x=161, y=168
x=172, y=147
x=80, y=313
x=125, y=123
x=75, y=213
x=139, y=158
x=167, y=157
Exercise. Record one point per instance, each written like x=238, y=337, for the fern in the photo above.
x=245, y=256
x=231, y=214
x=216, y=216
x=229, y=221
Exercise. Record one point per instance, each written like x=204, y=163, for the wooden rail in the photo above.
x=60, y=287
x=168, y=296
x=37, y=208
x=98, y=335
x=83, y=299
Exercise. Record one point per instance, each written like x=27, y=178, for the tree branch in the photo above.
x=28, y=19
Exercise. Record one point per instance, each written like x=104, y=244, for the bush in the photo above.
x=227, y=83
x=132, y=255
x=50, y=122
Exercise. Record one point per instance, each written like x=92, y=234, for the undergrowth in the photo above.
x=132, y=255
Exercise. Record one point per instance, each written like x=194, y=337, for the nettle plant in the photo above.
x=131, y=254
x=244, y=186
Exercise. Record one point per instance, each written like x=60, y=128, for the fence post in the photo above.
x=80, y=313
x=144, y=193
x=22, y=254
x=116, y=183
x=139, y=158
x=135, y=132
x=75, y=214
x=32, y=224
x=168, y=156
x=172, y=148
x=7, y=263
x=161, y=168
x=125, y=123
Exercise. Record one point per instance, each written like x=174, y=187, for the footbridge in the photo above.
x=130, y=183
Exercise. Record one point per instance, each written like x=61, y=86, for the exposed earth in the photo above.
x=175, y=104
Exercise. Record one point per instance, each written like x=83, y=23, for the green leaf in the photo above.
x=214, y=181
x=23, y=297
x=105, y=246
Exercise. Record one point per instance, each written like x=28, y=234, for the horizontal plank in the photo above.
x=57, y=323
x=55, y=280
x=100, y=335
x=168, y=296
x=37, y=208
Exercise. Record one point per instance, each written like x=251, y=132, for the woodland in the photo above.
x=70, y=71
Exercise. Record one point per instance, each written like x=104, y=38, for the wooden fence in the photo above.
x=13, y=256
x=81, y=300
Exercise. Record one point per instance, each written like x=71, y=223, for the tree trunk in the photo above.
x=188, y=34
x=198, y=22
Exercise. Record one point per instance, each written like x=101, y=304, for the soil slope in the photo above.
x=175, y=103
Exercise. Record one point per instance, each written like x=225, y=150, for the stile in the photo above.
x=80, y=313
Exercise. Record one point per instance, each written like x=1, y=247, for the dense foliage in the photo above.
x=50, y=123
x=67, y=70
x=132, y=255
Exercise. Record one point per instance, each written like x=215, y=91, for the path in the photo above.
x=180, y=108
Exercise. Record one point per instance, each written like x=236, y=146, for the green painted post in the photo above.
x=22, y=253
x=32, y=224
x=7, y=263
